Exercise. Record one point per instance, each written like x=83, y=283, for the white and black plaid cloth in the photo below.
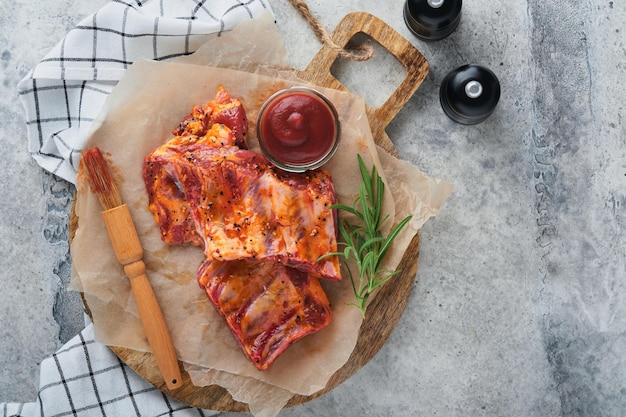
x=84, y=378
x=62, y=96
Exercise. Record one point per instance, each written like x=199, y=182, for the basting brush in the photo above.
x=129, y=253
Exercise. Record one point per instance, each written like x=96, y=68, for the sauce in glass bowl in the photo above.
x=298, y=129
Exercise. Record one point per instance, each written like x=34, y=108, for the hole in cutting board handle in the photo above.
x=375, y=79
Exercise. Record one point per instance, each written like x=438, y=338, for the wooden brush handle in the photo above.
x=154, y=325
x=129, y=253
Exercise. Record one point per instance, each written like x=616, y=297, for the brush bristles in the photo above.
x=100, y=179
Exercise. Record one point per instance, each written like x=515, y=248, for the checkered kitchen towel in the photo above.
x=84, y=378
x=62, y=96
x=64, y=93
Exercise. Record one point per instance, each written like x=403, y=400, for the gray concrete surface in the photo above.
x=36, y=313
x=520, y=299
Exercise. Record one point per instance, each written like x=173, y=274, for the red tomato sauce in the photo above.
x=298, y=128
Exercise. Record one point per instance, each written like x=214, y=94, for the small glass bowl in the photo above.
x=272, y=148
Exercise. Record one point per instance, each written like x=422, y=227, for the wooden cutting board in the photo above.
x=386, y=308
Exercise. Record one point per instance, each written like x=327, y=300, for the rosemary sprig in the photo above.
x=364, y=242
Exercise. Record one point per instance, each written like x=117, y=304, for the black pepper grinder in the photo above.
x=432, y=20
x=469, y=94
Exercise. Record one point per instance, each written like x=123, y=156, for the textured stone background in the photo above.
x=37, y=314
x=519, y=305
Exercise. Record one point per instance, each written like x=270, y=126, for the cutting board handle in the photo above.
x=319, y=70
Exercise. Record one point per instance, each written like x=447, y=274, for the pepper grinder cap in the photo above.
x=432, y=20
x=469, y=94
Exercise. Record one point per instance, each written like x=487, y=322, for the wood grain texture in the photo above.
x=129, y=253
x=388, y=305
x=319, y=69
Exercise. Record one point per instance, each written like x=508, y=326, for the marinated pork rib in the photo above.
x=241, y=207
x=266, y=306
x=167, y=199
x=222, y=110
x=261, y=229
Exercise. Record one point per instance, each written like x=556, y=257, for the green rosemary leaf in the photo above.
x=365, y=207
x=344, y=207
x=364, y=174
x=364, y=243
x=366, y=246
x=331, y=254
x=380, y=193
x=392, y=235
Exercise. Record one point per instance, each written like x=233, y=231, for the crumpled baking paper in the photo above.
x=139, y=116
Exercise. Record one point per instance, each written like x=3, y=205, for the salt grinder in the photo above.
x=469, y=94
x=432, y=20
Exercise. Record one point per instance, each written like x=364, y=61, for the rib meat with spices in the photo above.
x=267, y=306
x=262, y=229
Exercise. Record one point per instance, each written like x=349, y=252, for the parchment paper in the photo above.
x=139, y=115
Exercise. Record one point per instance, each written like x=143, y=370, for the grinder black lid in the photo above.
x=469, y=94
x=432, y=20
